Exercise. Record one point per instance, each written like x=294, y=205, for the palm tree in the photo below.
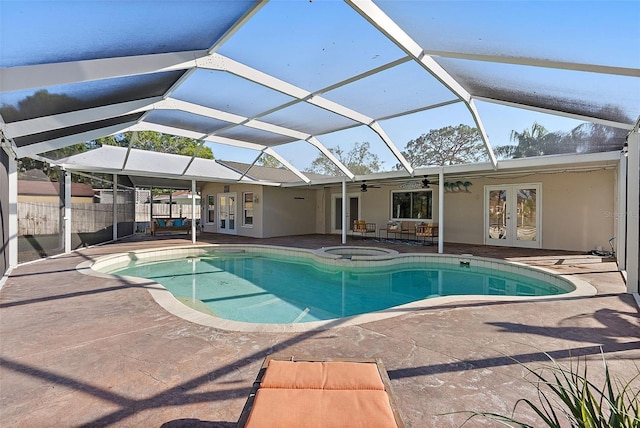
x=531, y=142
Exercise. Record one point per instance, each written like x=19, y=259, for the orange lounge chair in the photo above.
x=311, y=393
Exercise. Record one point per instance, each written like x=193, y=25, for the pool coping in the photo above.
x=166, y=300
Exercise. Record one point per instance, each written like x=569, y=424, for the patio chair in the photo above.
x=362, y=227
x=321, y=393
x=427, y=230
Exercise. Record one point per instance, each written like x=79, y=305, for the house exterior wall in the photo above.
x=289, y=211
x=375, y=205
x=254, y=230
x=577, y=209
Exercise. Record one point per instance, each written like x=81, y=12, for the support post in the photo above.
x=344, y=211
x=115, y=207
x=621, y=230
x=67, y=212
x=633, y=211
x=13, y=212
x=193, y=211
x=441, y=211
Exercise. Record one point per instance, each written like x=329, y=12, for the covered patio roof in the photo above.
x=285, y=77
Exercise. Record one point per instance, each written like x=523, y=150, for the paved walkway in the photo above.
x=81, y=351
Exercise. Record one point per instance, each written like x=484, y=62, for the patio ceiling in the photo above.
x=260, y=76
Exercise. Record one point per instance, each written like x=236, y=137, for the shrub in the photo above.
x=567, y=396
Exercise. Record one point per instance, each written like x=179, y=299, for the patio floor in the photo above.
x=77, y=350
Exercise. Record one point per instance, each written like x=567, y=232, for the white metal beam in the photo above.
x=471, y=105
x=235, y=143
x=67, y=212
x=148, y=126
x=323, y=149
x=395, y=33
x=441, y=211
x=43, y=75
x=193, y=211
x=378, y=130
x=13, y=212
x=632, y=213
x=614, y=124
x=45, y=146
x=219, y=62
x=620, y=218
x=287, y=165
x=237, y=25
x=535, y=62
x=344, y=212
x=222, y=63
x=174, y=104
x=63, y=120
x=115, y=208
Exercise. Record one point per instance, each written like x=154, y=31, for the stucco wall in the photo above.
x=253, y=231
x=375, y=204
x=577, y=209
x=289, y=211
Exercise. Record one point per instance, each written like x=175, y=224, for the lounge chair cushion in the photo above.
x=290, y=408
x=322, y=375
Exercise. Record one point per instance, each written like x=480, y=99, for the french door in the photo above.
x=227, y=213
x=513, y=215
x=353, y=211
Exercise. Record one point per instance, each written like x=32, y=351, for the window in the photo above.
x=211, y=208
x=247, y=209
x=416, y=205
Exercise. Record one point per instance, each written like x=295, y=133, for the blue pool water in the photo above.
x=260, y=288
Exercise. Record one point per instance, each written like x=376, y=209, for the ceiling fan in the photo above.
x=364, y=186
x=426, y=183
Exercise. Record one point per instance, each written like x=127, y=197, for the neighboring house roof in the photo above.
x=258, y=172
x=48, y=188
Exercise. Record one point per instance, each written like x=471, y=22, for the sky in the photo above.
x=555, y=30
x=316, y=44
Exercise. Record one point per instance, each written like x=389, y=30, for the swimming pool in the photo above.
x=275, y=286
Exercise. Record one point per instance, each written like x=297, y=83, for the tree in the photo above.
x=531, y=142
x=269, y=161
x=584, y=138
x=158, y=142
x=446, y=146
x=359, y=160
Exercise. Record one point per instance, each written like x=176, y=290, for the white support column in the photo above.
x=115, y=207
x=344, y=211
x=193, y=211
x=621, y=230
x=67, y=212
x=441, y=211
x=13, y=212
x=633, y=211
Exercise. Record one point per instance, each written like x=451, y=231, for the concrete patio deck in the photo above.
x=81, y=351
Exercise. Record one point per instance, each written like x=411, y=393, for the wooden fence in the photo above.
x=41, y=218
